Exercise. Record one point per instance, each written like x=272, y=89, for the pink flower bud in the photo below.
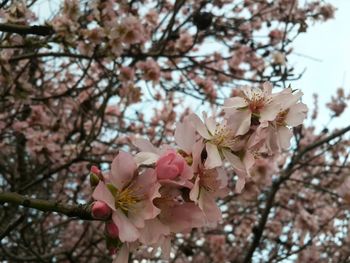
x=95, y=170
x=112, y=230
x=170, y=165
x=100, y=210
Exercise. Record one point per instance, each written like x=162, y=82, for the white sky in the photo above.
x=329, y=43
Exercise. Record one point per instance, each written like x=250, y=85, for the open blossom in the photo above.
x=209, y=185
x=291, y=114
x=252, y=102
x=129, y=195
x=219, y=139
x=220, y=143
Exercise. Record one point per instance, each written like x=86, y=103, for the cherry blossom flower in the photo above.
x=252, y=102
x=130, y=195
x=219, y=138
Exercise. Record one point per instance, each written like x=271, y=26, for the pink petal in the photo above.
x=122, y=255
x=213, y=156
x=296, y=114
x=127, y=231
x=194, y=193
x=199, y=126
x=146, y=158
x=122, y=171
x=239, y=121
x=153, y=231
x=185, y=136
x=222, y=177
x=101, y=193
x=211, y=124
x=236, y=163
x=144, y=145
x=183, y=217
x=284, y=136
x=209, y=207
x=235, y=102
x=196, y=155
x=269, y=112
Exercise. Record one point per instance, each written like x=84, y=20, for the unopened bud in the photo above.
x=94, y=179
x=112, y=230
x=100, y=210
x=95, y=175
x=95, y=170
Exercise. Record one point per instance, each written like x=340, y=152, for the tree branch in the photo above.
x=259, y=229
x=78, y=211
x=26, y=30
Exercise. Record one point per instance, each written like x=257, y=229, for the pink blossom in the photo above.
x=150, y=68
x=130, y=195
x=170, y=165
x=252, y=102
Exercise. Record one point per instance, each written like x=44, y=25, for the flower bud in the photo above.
x=95, y=170
x=170, y=165
x=95, y=175
x=94, y=179
x=100, y=210
x=112, y=230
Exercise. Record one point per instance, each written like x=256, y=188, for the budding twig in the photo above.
x=79, y=211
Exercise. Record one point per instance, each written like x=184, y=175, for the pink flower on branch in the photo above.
x=129, y=194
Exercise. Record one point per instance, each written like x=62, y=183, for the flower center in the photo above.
x=125, y=199
x=281, y=118
x=256, y=102
x=223, y=137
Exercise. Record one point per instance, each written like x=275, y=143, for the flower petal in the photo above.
x=235, y=102
x=237, y=164
x=185, y=135
x=209, y=207
x=239, y=121
x=213, y=156
x=122, y=169
x=146, y=158
x=199, y=126
x=270, y=111
x=144, y=145
x=127, y=231
x=153, y=231
x=284, y=136
x=296, y=114
x=101, y=193
x=122, y=255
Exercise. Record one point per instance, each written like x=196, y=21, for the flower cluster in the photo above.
x=167, y=190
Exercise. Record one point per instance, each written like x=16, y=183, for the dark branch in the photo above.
x=78, y=211
x=27, y=30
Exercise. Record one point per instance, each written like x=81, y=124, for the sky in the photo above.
x=329, y=45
